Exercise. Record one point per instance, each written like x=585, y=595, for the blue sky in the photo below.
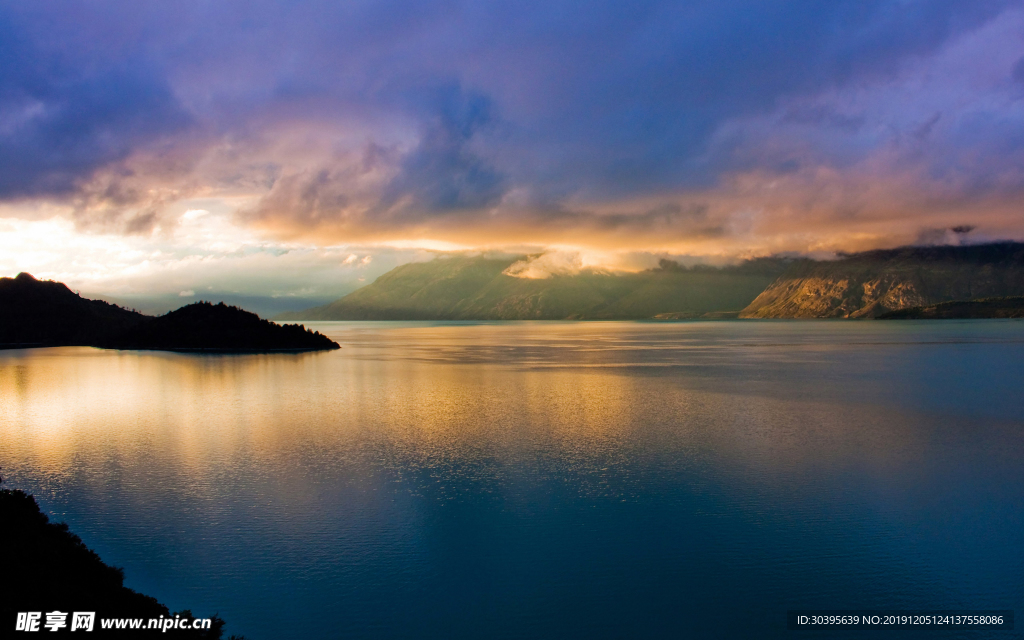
x=305, y=131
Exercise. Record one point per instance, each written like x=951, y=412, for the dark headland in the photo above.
x=35, y=313
x=47, y=568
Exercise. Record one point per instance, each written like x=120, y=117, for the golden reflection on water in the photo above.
x=418, y=452
x=420, y=397
x=58, y=401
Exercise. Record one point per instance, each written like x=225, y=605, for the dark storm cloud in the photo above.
x=443, y=173
x=398, y=112
x=62, y=117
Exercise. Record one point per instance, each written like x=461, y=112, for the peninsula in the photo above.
x=35, y=313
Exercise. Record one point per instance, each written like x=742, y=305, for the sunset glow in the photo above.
x=146, y=152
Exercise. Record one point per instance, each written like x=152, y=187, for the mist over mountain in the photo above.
x=460, y=287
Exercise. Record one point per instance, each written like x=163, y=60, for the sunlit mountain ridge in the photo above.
x=860, y=285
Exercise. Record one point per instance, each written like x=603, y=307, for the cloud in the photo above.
x=62, y=118
x=443, y=173
x=547, y=265
x=952, y=236
x=208, y=254
x=568, y=262
x=1018, y=71
x=735, y=126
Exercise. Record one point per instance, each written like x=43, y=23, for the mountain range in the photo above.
x=859, y=285
x=460, y=287
x=985, y=280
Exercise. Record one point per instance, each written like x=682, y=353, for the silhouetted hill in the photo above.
x=47, y=568
x=36, y=313
x=962, y=309
x=872, y=283
x=217, y=327
x=45, y=313
x=477, y=288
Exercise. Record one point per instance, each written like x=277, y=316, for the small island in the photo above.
x=35, y=313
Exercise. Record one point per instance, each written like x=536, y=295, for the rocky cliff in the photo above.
x=869, y=284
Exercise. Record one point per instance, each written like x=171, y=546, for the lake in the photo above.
x=543, y=480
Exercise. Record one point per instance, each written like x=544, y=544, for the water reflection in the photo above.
x=568, y=479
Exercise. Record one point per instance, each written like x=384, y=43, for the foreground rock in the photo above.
x=49, y=569
x=36, y=313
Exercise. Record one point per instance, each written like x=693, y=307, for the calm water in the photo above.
x=543, y=480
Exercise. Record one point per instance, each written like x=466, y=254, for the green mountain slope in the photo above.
x=869, y=284
x=461, y=287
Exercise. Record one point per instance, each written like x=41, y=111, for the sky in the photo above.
x=285, y=153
